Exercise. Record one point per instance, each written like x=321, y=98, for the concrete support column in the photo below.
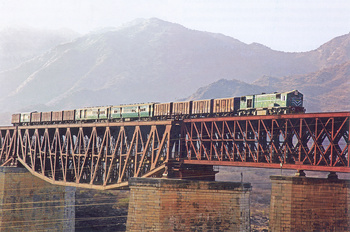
x=188, y=205
x=309, y=204
x=28, y=203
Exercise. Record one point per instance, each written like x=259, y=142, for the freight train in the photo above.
x=258, y=104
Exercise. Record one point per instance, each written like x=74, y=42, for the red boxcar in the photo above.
x=202, y=107
x=226, y=106
x=163, y=110
x=57, y=116
x=69, y=115
x=36, y=117
x=15, y=118
x=46, y=116
x=182, y=109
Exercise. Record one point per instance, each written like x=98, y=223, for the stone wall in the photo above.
x=309, y=204
x=187, y=205
x=28, y=203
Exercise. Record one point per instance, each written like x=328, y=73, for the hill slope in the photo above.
x=154, y=60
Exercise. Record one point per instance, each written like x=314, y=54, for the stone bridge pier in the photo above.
x=188, y=205
x=309, y=204
x=28, y=203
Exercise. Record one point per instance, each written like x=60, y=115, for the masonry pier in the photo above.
x=309, y=204
x=28, y=203
x=188, y=205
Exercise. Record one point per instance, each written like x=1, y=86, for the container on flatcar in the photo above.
x=46, y=117
x=115, y=112
x=202, y=107
x=25, y=118
x=89, y=113
x=163, y=110
x=15, y=119
x=103, y=112
x=182, y=109
x=224, y=106
x=93, y=113
x=57, y=116
x=36, y=117
x=130, y=111
x=146, y=110
x=68, y=115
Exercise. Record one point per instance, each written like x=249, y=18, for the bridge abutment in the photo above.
x=28, y=203
x=309, y=204
x=188, y=205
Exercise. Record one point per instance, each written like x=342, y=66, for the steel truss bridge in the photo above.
x=106, y=155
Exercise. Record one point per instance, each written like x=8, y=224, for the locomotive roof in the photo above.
x=288, y=92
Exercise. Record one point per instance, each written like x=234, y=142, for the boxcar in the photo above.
x=163, y=110
x=182, y=109
x=57, y=116
x=68, y=115
x=46, y=117
x=202, y=107
x=36, y=117
x=15, y=119
x=226, y=106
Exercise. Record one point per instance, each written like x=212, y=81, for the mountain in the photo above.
x=20, y=44
x=153, y=60
x=227, y=88
x=324, y=90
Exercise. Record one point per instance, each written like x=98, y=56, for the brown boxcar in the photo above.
x=163, y=110
x=224, y=106
x=202, y=107
x=36, y=117
x=46, y=116
x=57, y=116
x=182, y=108
x=69, y=115
x=15, y=118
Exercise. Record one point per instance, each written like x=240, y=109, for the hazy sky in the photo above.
x=288, y=25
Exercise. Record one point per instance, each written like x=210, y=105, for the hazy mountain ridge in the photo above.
x=324, y=90
x=154, y=60
x=20, y=44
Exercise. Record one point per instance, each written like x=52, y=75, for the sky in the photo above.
x=283, y=25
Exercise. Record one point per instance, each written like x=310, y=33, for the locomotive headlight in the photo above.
x=296, y=92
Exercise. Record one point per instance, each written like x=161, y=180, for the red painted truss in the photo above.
x=106, y=155
x=100, y=156
x=318, y=142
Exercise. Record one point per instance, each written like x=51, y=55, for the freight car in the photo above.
x=258, y=104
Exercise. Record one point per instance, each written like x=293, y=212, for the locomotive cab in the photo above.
x=294, y=101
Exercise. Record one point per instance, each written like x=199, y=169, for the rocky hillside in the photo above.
x=153, y=60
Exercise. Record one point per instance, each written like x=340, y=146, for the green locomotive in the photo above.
x=274, y=103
